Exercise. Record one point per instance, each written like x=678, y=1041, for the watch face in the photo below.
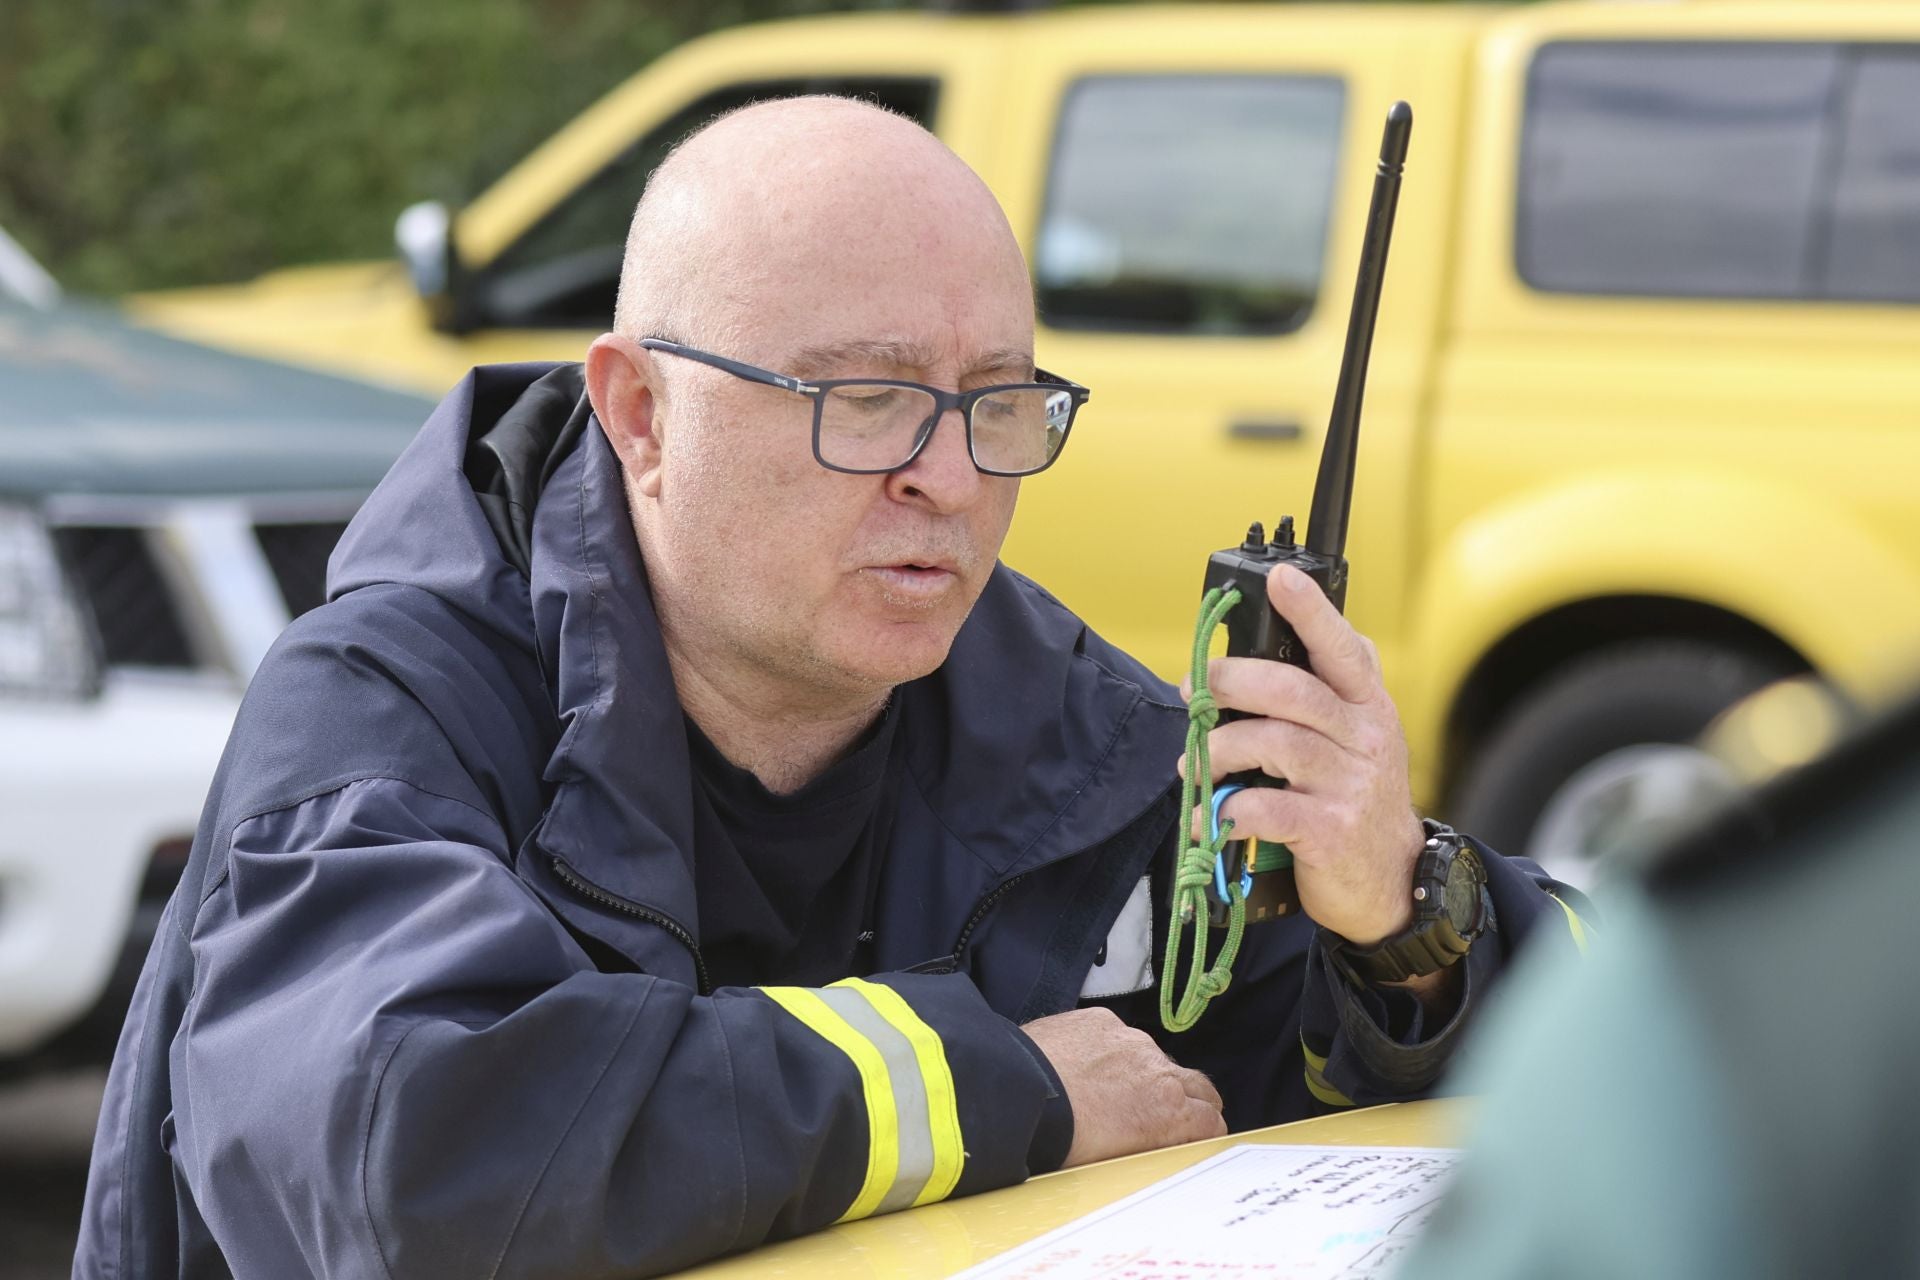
x=1462, y=895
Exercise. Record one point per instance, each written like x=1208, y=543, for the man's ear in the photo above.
x=620, y=374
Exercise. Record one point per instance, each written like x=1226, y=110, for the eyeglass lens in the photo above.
x=873, y=427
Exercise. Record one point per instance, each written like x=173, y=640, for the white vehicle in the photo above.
x=164, y=510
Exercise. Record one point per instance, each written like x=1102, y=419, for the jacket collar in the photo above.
x=1034, y=741
x=621, y=814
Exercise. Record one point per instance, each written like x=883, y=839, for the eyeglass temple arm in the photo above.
x=1055, y=380
x=738, y=368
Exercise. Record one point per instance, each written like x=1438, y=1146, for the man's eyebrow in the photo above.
x=828, y=359
x=1003, y=359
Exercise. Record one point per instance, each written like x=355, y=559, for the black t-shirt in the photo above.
x=787, y=883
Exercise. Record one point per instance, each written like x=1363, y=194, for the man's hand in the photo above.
x=1332, y=733
x=1127, y=1095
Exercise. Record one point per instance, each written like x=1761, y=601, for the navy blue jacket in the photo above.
x=429, y=1000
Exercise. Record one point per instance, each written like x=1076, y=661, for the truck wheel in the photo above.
x=1602, y=749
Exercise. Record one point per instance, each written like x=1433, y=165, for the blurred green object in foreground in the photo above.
x=1723, y=1086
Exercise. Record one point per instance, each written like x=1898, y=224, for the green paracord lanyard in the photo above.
x=1195, y=866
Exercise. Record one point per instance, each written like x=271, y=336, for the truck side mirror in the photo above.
x=423, y=234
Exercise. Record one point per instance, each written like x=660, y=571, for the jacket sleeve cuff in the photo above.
x=1367, y=1044
x=1385, y=1044
x=1053, y=1137
x=1015, y=1120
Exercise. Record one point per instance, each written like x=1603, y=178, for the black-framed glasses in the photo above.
x=868, y=426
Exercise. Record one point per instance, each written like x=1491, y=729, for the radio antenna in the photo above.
x=1333, y=488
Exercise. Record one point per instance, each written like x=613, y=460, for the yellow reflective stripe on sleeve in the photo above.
x=883, y=1120
x=1317, y=1079
x=1574, y=923
x=943, y=1103
x=913, y=1138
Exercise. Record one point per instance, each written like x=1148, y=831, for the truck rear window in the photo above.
x=1189, y=204
x=1722, y=170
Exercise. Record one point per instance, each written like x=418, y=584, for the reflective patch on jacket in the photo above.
x=1125, y=963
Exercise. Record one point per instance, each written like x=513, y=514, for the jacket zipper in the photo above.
x=668, y=923
x=980, y=910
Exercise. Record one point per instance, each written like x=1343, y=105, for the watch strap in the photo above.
x=1431, y=942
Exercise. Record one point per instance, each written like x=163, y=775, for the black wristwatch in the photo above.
x=1450, y=910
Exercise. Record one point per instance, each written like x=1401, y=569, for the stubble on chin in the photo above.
x=897, y=637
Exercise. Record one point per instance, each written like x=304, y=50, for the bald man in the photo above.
x=677, y=831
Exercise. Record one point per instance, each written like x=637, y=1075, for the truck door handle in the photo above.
x=1269, y=431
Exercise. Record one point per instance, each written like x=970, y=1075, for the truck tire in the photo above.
x=1601, y=749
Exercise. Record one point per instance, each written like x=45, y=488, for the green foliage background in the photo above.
x=147, y=143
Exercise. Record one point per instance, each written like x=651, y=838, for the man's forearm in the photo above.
x=1437, y=992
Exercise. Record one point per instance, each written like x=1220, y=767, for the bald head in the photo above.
x=762, y=205
x=826, y=239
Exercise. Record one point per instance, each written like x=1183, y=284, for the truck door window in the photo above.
x=1739, y=170
x=1876, y=214
x=564, y=272
x=1189, y=204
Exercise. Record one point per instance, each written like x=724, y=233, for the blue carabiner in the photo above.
x=1219, y=859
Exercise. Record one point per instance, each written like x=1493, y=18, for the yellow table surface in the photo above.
x=939, y=1239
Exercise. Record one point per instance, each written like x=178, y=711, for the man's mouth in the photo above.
x=916, y=580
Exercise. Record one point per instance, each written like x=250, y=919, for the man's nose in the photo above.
x=943, y=475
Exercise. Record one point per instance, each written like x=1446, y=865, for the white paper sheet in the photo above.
x=1250, y=1213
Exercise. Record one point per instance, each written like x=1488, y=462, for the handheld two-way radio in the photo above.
x=1264, y=871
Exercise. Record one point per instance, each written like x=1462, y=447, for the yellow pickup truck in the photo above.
x=1643, y=424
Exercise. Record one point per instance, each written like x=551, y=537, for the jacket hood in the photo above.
x=1034, y=740
x=424, y=526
